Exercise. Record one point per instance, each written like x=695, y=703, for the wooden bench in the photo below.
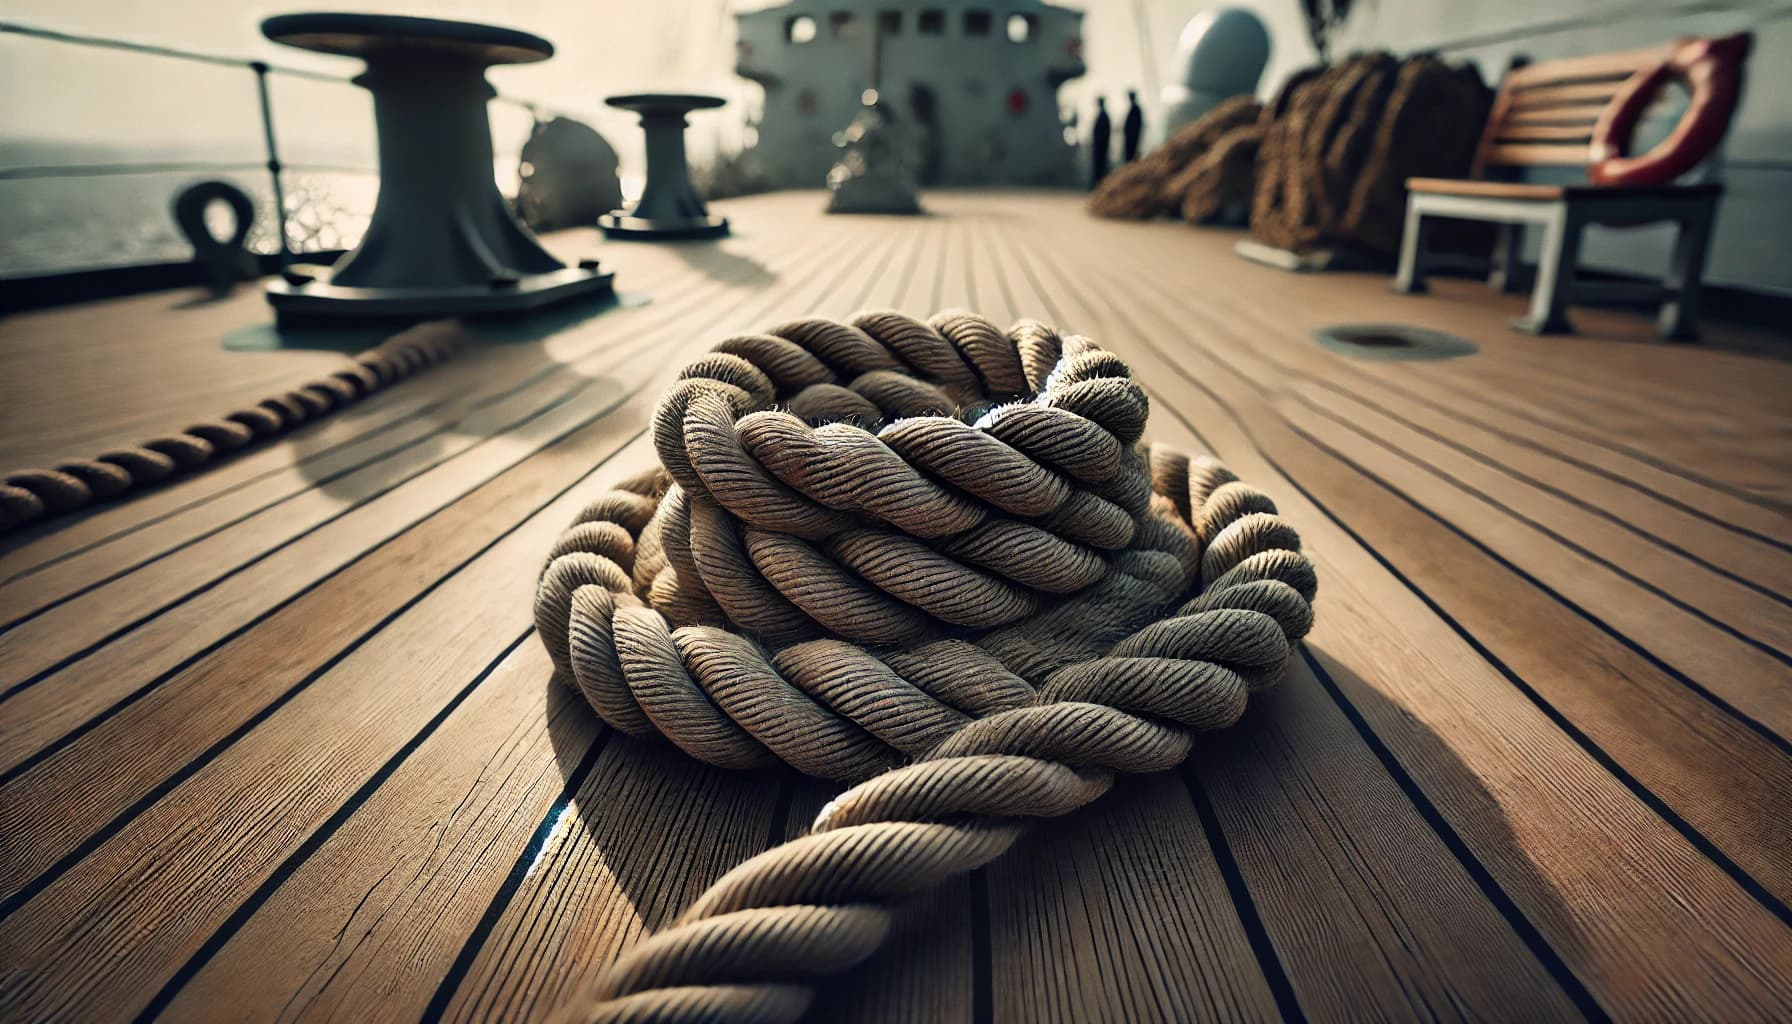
x=1548, y=114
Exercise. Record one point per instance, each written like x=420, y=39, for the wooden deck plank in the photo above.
x=917, y=291
x=339, y=783
x=1745, y=449
x=644, y=271
x=1618, y=894
x=1751, y=557
x=1476, y=407
x=1663, y=729
x=318, y=628
x=1687, y=634
x=1750, y=561
x=91, y=787
x=1727, y=650
x=1470, y=407
x=150, y=364
x=1704, y=763
x=509, y=973
x=57, y=406
x=109, y=933
x=74, y=555
x=1677, y=605
x=956, y=289
x=649, y=829
x=1081, y=884
x=384, y=716
x=447, y=429
x=1120, y=912
x=1612, y=347
x=58, y=697
x=930, y=969
x=1297, y=796
x=1737, y=472
x=368, y=924
x=1369, y=912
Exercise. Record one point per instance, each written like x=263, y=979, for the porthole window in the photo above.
x=800, y=29
x=931, y=23
x=842, y=24
x=889, y=23
x=976, y=23
x=1020, y=28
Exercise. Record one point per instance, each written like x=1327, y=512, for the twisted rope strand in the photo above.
x=979, y=623
x=30, y=494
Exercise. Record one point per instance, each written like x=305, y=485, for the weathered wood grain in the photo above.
x=649, y=847
x=115, y=539
x=327, y=775
x=1296, y=795
x=227, y=596
x=1618, y=894
x=99, y=790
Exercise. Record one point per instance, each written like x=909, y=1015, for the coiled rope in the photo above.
x=30, y=494
x=969, y=589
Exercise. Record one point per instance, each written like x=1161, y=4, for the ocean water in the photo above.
x=57, y=224
x=51, y=225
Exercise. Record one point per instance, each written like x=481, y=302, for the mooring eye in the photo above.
x=195, y=213
x=199, y=210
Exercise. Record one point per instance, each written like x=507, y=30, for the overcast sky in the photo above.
x=604, y=46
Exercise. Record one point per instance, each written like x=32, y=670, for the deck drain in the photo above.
x=1392, y=341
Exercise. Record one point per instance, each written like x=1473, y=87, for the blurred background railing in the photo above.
x=103, y=199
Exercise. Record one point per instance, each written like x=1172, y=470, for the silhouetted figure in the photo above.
x=1101, y=143
x=1134, y=128
x=921, y=101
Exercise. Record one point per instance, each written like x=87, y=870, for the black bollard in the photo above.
x=442, y=240
x=669, y=207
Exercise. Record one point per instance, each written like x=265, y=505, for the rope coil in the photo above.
x=932, y=559
x=30, y=494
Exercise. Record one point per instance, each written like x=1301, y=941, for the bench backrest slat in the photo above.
x=1545, y=112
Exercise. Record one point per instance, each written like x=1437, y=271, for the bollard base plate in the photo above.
x=622, y=227
x=320, y=300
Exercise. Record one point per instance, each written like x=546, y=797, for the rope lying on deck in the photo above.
x=971, y=590
x=30, y=494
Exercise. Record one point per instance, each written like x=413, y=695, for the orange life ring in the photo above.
x=1712, y=70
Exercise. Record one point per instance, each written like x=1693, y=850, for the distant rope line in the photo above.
x=970, y=589
x=31, y=494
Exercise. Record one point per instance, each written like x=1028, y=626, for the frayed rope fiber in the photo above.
x=933, y=560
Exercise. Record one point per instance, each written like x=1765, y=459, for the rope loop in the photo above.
x=933, y=559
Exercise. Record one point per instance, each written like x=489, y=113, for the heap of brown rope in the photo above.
x=30, y=494
x=970, y=590
x=1154, y=185
x=1333, y=164
x=1218, y=185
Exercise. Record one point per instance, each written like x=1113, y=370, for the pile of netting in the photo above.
x=933, y=560
x=1325, y=164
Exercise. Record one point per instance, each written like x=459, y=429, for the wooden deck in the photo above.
x=277, y=742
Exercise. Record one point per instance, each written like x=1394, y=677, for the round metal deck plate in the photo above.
x=1392, y=342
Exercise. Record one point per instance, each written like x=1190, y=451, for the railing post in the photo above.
x=267, y=130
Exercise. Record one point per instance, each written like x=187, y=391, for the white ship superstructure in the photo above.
x=975, y=82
